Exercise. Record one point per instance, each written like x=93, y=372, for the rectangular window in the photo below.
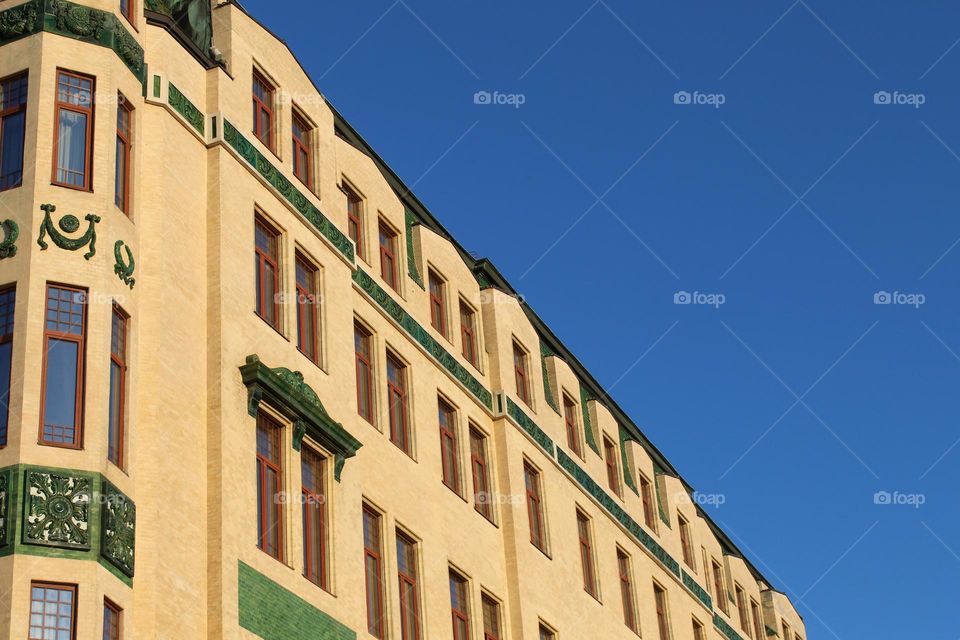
x=459, y=606
x=111, y=620
x=267, y=250
x=118, y=387
x=263, y=109
x=531, y=478
x=757, y=625
x=438, y=302
x=8, y=300
x=546, y=633
x=308, y=307
x=388, y=255
x=313, y=478
x=719, y=591
x=786, y=629
x=663, y=616
x=468, y=334
x=698, y=632
x=742, y=608
x=520, y=373
x=449, y=452
x=362, y=350
x=121, y=195
x=586, y=554
x=491, y=618
x=482, y=497
x=373, y=572
x=269, y=486
x=610, y=460
x=61, y=415
x=355, y=219
x=407, y=575
x=626, y=592
x=53, y=611
x=646, y=495
x=13, y=114
x=302, y=153
x=573, y=428
x=397, y=404
x=126, y=10
x=73, y=142
x=686, y=543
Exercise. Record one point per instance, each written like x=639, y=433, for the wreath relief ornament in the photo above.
x=11, y=231
x=124, y=270
x=68, y=224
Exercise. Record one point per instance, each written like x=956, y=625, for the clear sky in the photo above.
x=784, y=191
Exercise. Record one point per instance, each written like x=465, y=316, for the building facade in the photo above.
x=253, y=388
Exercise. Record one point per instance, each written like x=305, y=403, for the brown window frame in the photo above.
x=73, y=589
x=260, y=107
x=741, y=597
x=90, y=114
x=520, y=369
x=437, y=291
x=265, y=465
x=355, y=219
x=274, y=261
x=545, y=632
x=449, y=446
x=398, y=394
x=699, y=632
x=647, y=498
x=719, y=586
x=389, y=270
x=124, y=141
x=610, y=454
x=686, y=542
x=80, y=340
x=480, y=468
x=375, y=620
x=588, y=563
x=308, y=307
x=786, y=629
x=115, y=633
x=468, y=334
x=411, y=581
x=489, y=603
x=315, y=497
x=572, y=425
x=118, y=316
x=129, y=13
x=535, y=519
x=23, y=80
x=364, y=365
x=463, y=616
x=756, y=615
x=302, y=146
x=627, y=593
x=662, y=607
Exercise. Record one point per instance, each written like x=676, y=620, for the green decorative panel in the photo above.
x=11, y=231
x=628, y=472
x=68, y=224
x=118, y=525
x=6, y=509
x=274, y=613
x=185, y=108
x=621, y=516
x=661, y=499
x=528, y=425
x=56, y=511
x=422, y=337
x=411, y=258
x=585, y=398
x=725, y=628
x=22, y=20
x=547, y=391
x=278, y=181
x=699, y=591
x=124, y=268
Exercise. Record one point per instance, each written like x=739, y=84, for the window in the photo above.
x=520, y=372
x=308, y=316
x=73, y=142
x=263, y=109
x=302, y=153
x=686, y=543
x=121, y=194
x=111, y=620
x=573, y=429
x=53, y=611
x=13, y=114
x=355, y=219
x=126, y=10
x=468, y=334
x=663, y=619
x=388, y=255
x=786, y=630
x=610, y=460
x=698, y=632
x=546, y=633
x=313, y=478
x=267, y=251
x=361, y=347
x=719, y=591
x=531, y=478
x=742, y=608
x=757, y=625
x=407, y=574
x=449, y=454
x=626, y=592
x=491, y=618
x=586, y=555
x=61, y=416
x=438, y=302
x=373, y=571
x=459, y=606
x=482, y=497
x=269, y=486
x=118, y=387
x=8, y=299
x=646, y=495
x=397, y=403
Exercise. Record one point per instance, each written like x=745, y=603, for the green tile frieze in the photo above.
x=528, y=425
x=185, y=108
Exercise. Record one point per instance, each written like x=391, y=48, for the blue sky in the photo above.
x=794, y=202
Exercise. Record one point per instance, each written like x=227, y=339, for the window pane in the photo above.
x=60, y=391
x=11, y=154
x=72, y=148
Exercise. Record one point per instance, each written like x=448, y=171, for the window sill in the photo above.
x=71, y=187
